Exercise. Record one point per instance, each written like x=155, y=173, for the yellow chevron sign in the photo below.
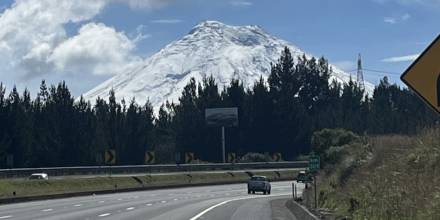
x=232, y=158
x=189, y=157
x=150, y=157
x=110, y=157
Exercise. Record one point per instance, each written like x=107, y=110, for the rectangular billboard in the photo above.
x=221, y=117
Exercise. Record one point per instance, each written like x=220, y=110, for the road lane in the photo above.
x=173, y=204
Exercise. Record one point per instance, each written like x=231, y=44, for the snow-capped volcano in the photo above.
x=210, y=48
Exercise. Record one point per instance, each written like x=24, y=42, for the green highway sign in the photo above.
x=314, y=163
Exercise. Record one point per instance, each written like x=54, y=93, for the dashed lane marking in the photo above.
x=130, y=208
x=5, y=216
x=46, y=210
x=104, y=215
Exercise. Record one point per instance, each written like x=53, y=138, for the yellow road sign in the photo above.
x=150, y=157
x=276, y=157
x=232, y=158
x=423, y=76
x=110, y=157
x=189, y=157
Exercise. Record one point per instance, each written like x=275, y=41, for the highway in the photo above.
x=220, y=202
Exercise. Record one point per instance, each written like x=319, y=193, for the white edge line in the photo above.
x=227, y=201
x=6, y=216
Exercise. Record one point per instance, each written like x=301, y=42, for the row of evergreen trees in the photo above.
x=275, y=115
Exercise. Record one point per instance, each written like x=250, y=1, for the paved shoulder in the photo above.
x=255, y=208
x=280, y=210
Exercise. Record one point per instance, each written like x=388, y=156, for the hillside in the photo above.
x=383, y=177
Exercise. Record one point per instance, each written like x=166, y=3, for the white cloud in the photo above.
x=96, y=48
x=405, y=17
x=406, y=58
x=241, y=3
x=398, y=19
x=150, y=4
x=346, y=65
x=33, y=39
x=167, y=21
x=389, y=20
x=411, y=3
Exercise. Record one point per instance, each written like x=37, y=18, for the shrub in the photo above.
x=255, y=157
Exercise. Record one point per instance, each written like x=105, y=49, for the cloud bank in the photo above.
x=34, y=41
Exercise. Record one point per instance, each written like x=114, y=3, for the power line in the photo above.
x=372, y=70
x=381, y=71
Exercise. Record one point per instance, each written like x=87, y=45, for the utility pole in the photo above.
x=360, y=73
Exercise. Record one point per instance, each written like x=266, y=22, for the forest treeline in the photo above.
x=275, y=115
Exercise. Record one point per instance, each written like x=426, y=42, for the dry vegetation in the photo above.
x=384, y=177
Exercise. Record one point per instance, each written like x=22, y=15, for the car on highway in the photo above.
x=259, y=184
x=304, y=177
x=39, y=176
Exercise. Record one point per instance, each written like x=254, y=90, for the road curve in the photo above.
x=221, y=202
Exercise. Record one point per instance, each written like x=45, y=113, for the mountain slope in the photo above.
x=210, y=48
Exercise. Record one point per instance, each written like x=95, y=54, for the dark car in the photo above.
x=304, y=177
x=259, y=184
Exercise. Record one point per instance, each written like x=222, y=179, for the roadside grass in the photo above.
x=386, y=177
x=24, y=187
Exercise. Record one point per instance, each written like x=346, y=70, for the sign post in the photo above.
x=110, y=158
x=314, y=166
x=222, y=117
x=423, y=76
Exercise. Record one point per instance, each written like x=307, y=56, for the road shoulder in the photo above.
x=280, y=210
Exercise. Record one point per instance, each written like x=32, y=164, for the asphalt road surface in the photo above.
x=221, y=202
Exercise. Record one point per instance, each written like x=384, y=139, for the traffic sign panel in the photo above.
x=423, y=76
x=110, y=157
x=150, y=157
x=232, y=158
x=314, y=163
x=189, y=157
x=277, y=157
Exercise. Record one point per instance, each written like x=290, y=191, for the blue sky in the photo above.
x=388, y=33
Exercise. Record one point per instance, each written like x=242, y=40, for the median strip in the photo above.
x=28, y=190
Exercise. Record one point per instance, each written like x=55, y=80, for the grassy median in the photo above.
x=72, y=184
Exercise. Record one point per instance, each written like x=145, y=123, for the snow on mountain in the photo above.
x=210, y=48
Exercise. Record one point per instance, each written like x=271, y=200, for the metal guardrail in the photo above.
x=97, y=170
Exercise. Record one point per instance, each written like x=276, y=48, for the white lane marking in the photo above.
x=46, y=210
x=101, y=201
x=78, y=205
x=231, y=200
x=130, y=208
x=149, y=204
x=136, y=197
x=119, y=199
x=104, y=215
x=163, y=201
x=6, y=216
x=175, y=199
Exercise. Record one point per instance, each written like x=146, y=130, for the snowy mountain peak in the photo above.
x=210, y=48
